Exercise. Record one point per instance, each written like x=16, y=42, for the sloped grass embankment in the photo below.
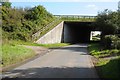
x=108, y=61
x=12, y=54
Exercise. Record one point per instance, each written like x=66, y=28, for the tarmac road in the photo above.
x=68, y=62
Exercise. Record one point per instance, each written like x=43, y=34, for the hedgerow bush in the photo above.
x=112, y=41
x=20, y=24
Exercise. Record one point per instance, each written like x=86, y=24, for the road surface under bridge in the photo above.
x=78, y=32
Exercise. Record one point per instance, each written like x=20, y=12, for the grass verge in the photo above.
x=55, y=45
x=109, y=68
x=12, y=54
x=97, y=51
x=106, y=66
x=13, y=51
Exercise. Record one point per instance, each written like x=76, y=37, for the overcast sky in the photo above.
x=70, y=7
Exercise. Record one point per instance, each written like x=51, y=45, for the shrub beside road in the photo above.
x=108, y=61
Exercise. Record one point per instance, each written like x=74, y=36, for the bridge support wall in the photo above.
x=53, y=36
x=68, y=32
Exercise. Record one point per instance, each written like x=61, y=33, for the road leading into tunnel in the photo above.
x=68, y=62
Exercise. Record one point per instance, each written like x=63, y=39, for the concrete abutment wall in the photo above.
x=68, y=32
x=53, y=36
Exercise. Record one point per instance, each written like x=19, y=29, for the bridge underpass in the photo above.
x=77, y=32
x=67, y=62
x=69, y=32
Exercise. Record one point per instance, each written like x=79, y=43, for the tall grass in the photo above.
x=12, y=54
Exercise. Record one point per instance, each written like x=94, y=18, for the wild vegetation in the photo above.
x=108, y=22
x=20, y=24
x=108, y=61
x=107, y=51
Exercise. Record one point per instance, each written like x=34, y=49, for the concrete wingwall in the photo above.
x=53, y=36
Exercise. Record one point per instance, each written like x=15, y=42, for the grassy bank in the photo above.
x=108, y=64
x=13, y=51
x=55, y=45
x=98, y=51
x=109, y=68
x=12, y=54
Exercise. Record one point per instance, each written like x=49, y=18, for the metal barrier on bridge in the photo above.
x=74, y=16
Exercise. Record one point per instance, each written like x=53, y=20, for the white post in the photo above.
x=91, y=35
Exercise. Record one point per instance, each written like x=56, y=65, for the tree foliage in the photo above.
x=109, y=23
x=22, y=23
x=112, y=41
x=6, y=4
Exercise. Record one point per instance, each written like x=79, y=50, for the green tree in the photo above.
x=6, y=4
x=119, y=5
x=24, y=22
x=39, y=16
x=107, y=21
x=118, y=22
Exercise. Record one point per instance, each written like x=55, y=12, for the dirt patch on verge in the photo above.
x=38, y=50
x=94, y=60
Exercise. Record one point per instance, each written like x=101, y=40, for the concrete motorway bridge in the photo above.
x=69, y=32
x=72, y=61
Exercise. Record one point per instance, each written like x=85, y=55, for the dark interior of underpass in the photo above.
x=77, y=32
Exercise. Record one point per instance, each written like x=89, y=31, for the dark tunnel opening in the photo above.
x=77, y=32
